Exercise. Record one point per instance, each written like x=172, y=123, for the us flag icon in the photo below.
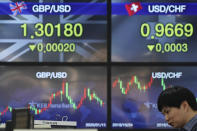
x=133, y=8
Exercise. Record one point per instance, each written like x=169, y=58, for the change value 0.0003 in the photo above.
x=171, y=47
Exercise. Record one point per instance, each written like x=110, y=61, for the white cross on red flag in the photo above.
x=133, y=8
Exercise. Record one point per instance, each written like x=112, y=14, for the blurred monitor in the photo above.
x=21, y=118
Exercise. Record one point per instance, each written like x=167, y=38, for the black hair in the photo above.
x=174, y=96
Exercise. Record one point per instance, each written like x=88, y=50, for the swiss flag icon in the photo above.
x=133, y=8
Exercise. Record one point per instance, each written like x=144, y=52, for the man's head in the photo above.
x=178, y=105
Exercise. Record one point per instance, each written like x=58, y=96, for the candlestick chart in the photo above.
x=69, y=96
x=135, y=91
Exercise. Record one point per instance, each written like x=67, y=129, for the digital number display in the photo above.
x=47, y=30
x=169, y=30
x=53, y=31
x=154, y=31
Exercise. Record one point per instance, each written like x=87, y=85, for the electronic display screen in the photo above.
x=154, y=31
x=135, y=91
x=53, y=30
x=56, y=93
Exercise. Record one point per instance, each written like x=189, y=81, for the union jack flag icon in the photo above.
x=17, y=7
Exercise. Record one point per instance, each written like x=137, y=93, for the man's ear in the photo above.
x=184, y=105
